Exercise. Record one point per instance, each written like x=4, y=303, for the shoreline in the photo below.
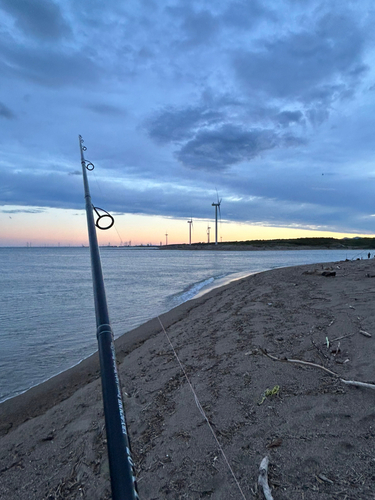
x=92, y=360
x=39, y=398
x=317, y=432
x=238, y=247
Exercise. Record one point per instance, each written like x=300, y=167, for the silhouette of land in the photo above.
x=281, y=244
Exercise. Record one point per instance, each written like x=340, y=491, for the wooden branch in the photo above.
x=308, y=363
x=365, y=334
x=342, y=337
x=358, y=384
x=314, y=365
x=263, y=478
x=299, y=362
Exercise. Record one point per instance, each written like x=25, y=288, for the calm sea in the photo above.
x=47, y=319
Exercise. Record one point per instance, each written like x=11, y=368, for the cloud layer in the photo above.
x=271, y=106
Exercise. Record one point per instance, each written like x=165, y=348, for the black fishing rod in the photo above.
x=123, y=482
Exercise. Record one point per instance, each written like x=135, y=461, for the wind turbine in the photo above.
x=166, y=239
x=208, y=234
x=190, y=222
x=217, y=206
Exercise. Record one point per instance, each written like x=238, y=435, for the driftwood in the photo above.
x=314, y=365
x=365, y=334
x=263, y=478
x=342, y=337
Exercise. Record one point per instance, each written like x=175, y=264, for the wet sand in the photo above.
x=318, y=432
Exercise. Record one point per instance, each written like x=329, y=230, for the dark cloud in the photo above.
x=41, y=19
x=299, y=64
x=106, y=109
x=24, y=211
x=219, y=129
x=218, y=149
x=51, y=67
x=40, y=189
x=177, y=124
x=213, y=141
x=290, y=140
x=5, y=112
x=244, y=15
x=317, y=114
x=58, y=190
x=196, y=26
x=285, y=118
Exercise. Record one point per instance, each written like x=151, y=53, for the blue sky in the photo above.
x=270, y=103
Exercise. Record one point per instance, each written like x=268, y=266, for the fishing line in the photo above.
x=99, y=186
x=201, y=410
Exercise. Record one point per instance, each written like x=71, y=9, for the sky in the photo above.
x=267, y=106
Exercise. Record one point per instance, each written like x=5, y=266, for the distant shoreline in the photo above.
x=251, y=248
x=361, y=244
x=356, y=243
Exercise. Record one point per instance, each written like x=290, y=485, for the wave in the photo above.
x=190, y=292
x=202, y=287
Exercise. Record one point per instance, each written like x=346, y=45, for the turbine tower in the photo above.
x=217, y=206
x=190, y=222
x=208, y=234
x=166, y=239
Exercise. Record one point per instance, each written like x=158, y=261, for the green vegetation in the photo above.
x=360, y=243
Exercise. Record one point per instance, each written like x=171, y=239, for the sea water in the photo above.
x=47, y=317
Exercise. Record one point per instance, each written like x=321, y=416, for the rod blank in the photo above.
x=123, y=482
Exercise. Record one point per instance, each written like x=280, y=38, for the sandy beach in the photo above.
x=317, y=431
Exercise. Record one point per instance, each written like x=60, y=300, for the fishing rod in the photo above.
x=123, y=482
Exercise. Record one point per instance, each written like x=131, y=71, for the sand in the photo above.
x=317, y=431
